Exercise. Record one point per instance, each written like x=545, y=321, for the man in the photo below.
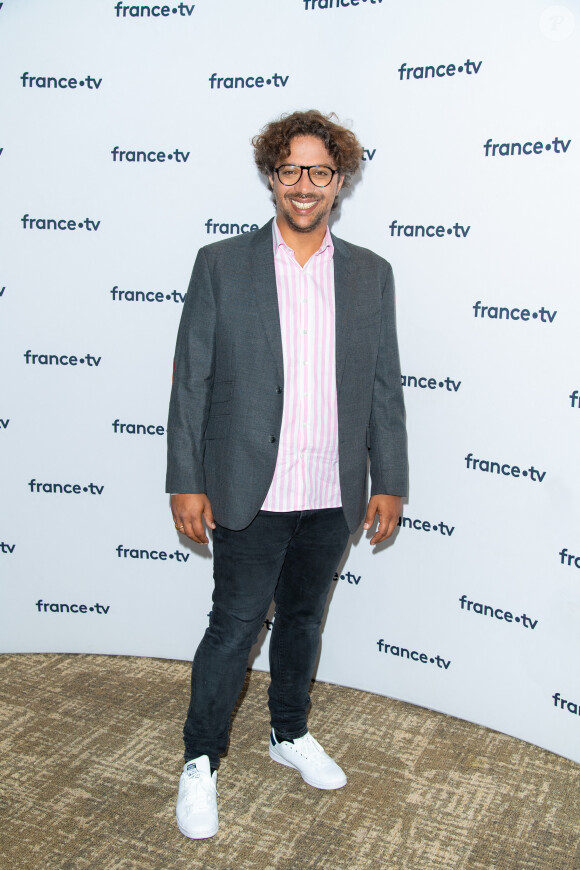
x=286, y=380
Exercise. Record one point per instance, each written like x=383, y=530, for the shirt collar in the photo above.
x=279, y=242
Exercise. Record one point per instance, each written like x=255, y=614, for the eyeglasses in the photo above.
x=320, y=176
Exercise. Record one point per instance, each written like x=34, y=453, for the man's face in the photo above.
x=305, y=207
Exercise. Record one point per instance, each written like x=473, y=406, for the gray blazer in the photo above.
x=226, y=403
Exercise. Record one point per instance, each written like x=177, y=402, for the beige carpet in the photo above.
x=91, y=754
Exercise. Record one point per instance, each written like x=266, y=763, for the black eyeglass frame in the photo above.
x=307, y=168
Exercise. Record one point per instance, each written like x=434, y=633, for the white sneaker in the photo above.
x=307, y=756
x=197, y=815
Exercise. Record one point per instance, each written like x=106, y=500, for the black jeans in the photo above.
x=290, y=557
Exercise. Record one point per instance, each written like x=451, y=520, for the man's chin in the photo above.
x=305, y=228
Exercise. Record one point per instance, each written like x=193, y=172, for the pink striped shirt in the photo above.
x=306, y=475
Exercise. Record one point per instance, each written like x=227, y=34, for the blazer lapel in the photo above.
x=342, y=301
x=263, y=276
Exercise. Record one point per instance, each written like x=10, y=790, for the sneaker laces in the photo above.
x=199, y=789
x=310, y=748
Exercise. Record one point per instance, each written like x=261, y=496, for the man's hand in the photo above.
x=189, y=511
x=388, y=507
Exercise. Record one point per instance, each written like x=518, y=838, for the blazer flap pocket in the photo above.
x=222, y=391
x=217, y=427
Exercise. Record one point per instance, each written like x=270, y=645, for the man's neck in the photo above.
x=304, y=245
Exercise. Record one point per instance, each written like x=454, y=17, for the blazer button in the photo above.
x=272, y=439
x=278, y=389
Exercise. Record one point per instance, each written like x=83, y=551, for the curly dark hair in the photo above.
x=273, y=142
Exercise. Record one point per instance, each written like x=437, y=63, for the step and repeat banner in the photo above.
x=125, y=147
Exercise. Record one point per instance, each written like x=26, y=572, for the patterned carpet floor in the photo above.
x=91, y=750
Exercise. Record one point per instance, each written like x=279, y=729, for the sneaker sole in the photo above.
x=314, y=783
x=199, y=835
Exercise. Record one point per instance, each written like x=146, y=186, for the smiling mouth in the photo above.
x=304, y=205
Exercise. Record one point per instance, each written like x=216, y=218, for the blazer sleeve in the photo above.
x=193, y=376
x=387, y=433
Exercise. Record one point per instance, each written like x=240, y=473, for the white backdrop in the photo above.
x=473, y=609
